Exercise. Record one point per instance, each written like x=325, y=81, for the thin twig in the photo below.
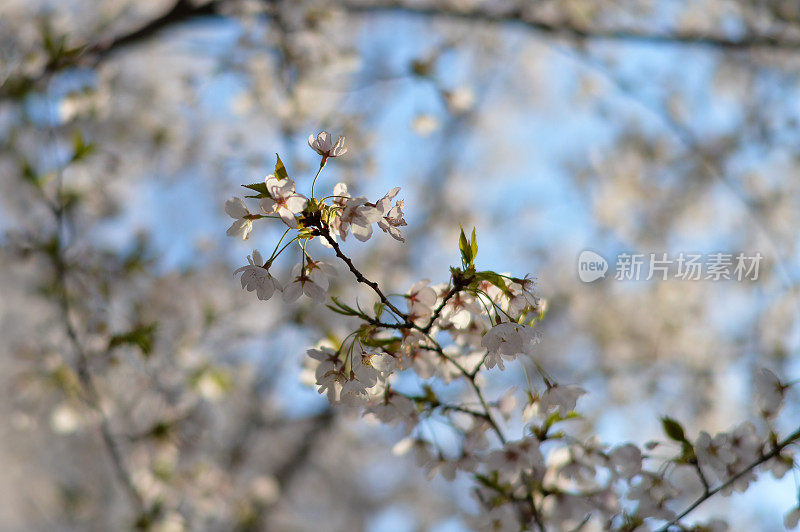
x=409, y=324
x=90, y=394
x=710, y=493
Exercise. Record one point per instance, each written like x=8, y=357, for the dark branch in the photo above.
x=776, y=450
x=93, y=54
x=571, y=30
x=182, y=11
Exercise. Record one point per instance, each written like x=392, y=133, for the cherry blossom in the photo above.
x=421, y=298
x=499, y=519
x=255, y=276
x=242, y=225
x=329, y=372
x=505, y=341
x=714, y=452
x=780, y=464
x=392, y=220
x=769, y=392
x=460, y=310
x=449, y=468
x=358, y=217
x=561, y=398
x=338, y=202
x=283, y=200
x=312, y=284
x=521, y=295
x=323, y=145
x=627, y=460
x=392, y=408
x=320, y=272
x=515, y=457
x=391, y=217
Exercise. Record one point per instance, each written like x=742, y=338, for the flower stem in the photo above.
x=321, y=166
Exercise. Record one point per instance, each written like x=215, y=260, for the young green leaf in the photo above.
x=341, y=308
x=673, y=429
x=473, y=244
x=80, y=149
x=141, y=336
x=261, y=188
x=280, y=169
x=493, y=278
x=466, y=249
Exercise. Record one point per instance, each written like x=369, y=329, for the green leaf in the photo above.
x=430, y=395
x=378, y=308
x=493, y=278
x=141, y=336
x=80, y=149
x=379, y=342
x=673, y=429
x=29, y=173
x=280, y=169
x=341, y=308
x=466, y=249
x=473, y=244
x=261, y=188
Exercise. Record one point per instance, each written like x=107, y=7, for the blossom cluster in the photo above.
x=314, y=219
x=449, y=336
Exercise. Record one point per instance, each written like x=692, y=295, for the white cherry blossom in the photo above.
x=521, y=295
x=499, y=519
x=460, y=310
x=515, y=457
x=769, y=392
x=283, y=200
x=392, y=408
x=242, y=225
x=507, y=340
x=627, y=460
x=561, y=398
x=312, y=284
x=323, y=144
x=329, y=372
x=421, y=298
x=393, y=220
x=320, y=272
x=779, y=464
x=256, y=277
x=338, y=202
x=391, y=217
x=714, y=452
x=358, y=217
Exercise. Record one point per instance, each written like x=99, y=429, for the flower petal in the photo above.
x=288, y=217
x=235, y=208
x=296, y=203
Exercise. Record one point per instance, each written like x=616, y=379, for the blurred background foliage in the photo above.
x=142, y=387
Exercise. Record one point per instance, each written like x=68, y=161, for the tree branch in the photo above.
x=93, y=54
x=90, y=393
x=571, y=30
x=181, y=11
x=780, y=446
x=360, y=277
